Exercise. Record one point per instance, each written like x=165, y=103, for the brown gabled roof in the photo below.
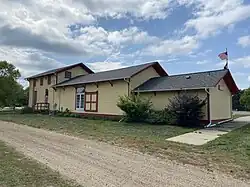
x=58, y=70
x=195, y=80
x=116, y=74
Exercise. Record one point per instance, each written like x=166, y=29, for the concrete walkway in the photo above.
x=203, y=136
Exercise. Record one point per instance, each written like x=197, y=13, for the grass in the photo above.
x=18, y=170
x=229, y=153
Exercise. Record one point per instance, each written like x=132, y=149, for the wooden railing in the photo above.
x=41, y=107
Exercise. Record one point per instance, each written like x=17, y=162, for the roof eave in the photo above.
x=90, y=82
x=228, y=78
x=175, y=89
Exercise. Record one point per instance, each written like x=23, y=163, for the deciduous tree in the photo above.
x=245, y=98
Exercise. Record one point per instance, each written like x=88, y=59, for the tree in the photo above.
x=187, y=109
x=22, y=97
x=245, y=98
x=236, y=101
x=9, y=87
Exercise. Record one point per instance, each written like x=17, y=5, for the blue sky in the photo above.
x=183, y=35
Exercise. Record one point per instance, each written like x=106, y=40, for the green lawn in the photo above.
x=17, y=170
x=229, y=153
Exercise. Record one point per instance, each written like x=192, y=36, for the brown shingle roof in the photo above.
x=116, y=74
x=58, y=70
x=188, y=81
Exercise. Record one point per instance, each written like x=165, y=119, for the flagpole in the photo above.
x=227, y=59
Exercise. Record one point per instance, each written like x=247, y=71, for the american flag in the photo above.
x=223, y=56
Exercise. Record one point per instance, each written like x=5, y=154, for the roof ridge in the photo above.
x=198, y=72
x=148, y=63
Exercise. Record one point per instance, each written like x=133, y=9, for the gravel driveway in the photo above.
x=96, y=164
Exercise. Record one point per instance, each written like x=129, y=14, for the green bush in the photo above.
x=187, y=108
x=66, y=115
x=135, y=107
x=78, y=116
x=161, y=117
x=26, y=110
x=60, y=114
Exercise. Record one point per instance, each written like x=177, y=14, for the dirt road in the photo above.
x=96, y=164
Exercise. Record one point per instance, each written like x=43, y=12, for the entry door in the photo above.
x=80, y=101
x=34, y=98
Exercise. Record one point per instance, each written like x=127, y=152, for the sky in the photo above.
x=182, y=35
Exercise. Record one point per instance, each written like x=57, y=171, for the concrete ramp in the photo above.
x=200, y=137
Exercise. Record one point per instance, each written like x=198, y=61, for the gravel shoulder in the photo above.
x=92, y=163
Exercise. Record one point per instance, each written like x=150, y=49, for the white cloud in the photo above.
x=242, y=61
x=183, y=45
x=29, y=62
x=212, y=16
x=244, y=41
x=44, y=25
x=105, y=66
x=132, y=35
x=143, y=9
x=248, y=78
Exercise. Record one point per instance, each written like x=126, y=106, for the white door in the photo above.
x=80, y=101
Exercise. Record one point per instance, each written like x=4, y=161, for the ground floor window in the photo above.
x=91, y=101
x=80, y=98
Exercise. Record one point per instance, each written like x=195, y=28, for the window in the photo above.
x=34, y=83
x=46, y=96
x=41, y=81
x=49, y=80
x=91, y=101
x=67, y=74
x=80, y=97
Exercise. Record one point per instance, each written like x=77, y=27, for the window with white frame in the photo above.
x=80, y=97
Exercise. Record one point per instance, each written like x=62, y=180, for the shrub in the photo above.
x=27, y=110
x=187, y=109
x=60, y=114
x=161, y=117
x=77, y=116
x=66, y=115
x=135, y=107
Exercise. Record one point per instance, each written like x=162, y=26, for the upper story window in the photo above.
x=49, y=79
x=41, y=81
x=34, y=83
x=67, y=74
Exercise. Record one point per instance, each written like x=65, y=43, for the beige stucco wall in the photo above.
x=65, y=98
x=41, y=90
x=108, y=95
x=74, y=72
x=160, y=100
x=142, y=77
x=53, y=96
x=31, y=88
x=220, y=102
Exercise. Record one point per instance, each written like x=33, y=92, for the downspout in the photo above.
x=209, y=111
x=128, y=81
x=210, y=121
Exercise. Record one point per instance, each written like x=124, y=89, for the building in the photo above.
x=80, y=90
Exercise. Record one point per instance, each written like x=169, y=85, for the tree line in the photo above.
x=12, y=94
x=241, y=100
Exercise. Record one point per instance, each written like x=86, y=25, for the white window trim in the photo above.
x=81, y=97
